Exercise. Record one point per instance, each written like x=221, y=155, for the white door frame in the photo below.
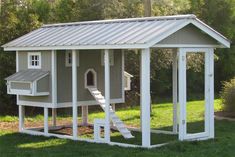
x=209, y=94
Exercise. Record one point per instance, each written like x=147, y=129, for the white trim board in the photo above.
x=65, y=104
x=81, y=47
x=185, y=46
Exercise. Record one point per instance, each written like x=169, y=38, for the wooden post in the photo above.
x=54, y=114
x=85, y=115
x=54, y=85
x=209, y=92
x=107, y=95
x=211, y=84
x=145, y=97
x=74, y=92
x=113, y=107
x=147, y=8
x=45, y=121
x=21, y=117
x=174, y=91
x=182, y=93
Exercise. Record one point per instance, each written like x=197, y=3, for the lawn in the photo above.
x=22, y=145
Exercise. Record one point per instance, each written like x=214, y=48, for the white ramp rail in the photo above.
x=115, y=119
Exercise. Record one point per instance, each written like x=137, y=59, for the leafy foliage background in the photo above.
x=18, y=17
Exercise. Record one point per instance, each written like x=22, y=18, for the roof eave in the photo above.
x=78, y=47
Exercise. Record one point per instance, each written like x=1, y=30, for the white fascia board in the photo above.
x=186, y=45
x=211, y=32
x=81, y=47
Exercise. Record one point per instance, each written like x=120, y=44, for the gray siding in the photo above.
x=88, y=60
x=189, y=35
x=19, y=85
x=43, y=84
x=46, y=65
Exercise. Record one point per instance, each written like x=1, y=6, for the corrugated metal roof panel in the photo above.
x=29, y=75
x=105, y=32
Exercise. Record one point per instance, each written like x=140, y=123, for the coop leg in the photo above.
x=85, y=115
x=54, y=114
x=21, y=117
x=45, y=121
x=114, y=109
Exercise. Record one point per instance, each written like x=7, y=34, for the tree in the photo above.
x=220, y=14
x=16, y=20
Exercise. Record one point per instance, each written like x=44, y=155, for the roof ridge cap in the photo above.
x=175, y=17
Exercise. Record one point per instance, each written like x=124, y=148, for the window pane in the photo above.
x=70, y=58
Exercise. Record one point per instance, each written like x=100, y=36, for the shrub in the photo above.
x=228, y=95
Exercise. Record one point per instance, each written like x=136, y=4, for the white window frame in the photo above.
x=67, y=64
x=111, y=58
x=30, y=66
x=95, y=78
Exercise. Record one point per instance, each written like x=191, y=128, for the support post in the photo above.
x=46, y=121
x=209, y=92
x=54, y=85
x=145, y=97
x=74, y=92
x=174, y=91
x=21, y=117
x=54, y=76
x=107, y=95
x=182, y=93
x=17, y=70
x=85, y=115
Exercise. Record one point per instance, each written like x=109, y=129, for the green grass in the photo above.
x=22, y=145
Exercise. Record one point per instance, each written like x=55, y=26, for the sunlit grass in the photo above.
x=22, y=145
x=43, y=144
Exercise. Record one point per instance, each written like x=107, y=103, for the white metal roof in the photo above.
x=109, y=34
x=28, y=75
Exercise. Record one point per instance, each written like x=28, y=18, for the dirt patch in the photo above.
x=82, y=130
x=13, y=126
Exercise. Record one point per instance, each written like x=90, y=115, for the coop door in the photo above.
x=90, y=78
x=196, y=117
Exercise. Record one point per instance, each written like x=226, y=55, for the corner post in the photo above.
x=174, y=90
x=145, y=97
x=182, y=93
x=209, y=91
x=107, y=95
x=21, y=117
x=74, y=92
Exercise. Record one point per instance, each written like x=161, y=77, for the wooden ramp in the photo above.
x=114, y=118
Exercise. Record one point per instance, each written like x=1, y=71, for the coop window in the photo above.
x=69, y=59
x=34, y=60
